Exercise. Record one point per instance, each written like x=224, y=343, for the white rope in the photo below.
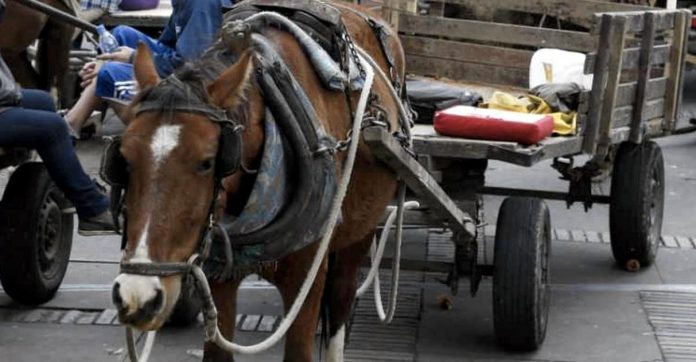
x=232, y=347
x=147, y=348
x=372, y=278
x=212, y=330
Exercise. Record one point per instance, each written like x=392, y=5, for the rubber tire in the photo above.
x=637, y=187
x=32, y=270
x=187, y=307
x=521, y=273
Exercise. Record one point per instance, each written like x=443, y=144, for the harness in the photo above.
x=222, y=249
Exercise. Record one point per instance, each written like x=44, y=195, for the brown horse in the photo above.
x=171, y=157
x=20, y=28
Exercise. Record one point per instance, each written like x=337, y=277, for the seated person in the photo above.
x=191, y=29
x=28, y=119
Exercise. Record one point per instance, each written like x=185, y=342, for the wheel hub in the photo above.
x=49, y=234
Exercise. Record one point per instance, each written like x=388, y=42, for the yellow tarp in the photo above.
x=563, y=123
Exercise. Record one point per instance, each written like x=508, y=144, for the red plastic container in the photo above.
x=493, y=124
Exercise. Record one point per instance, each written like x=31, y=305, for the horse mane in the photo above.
x=196, y=75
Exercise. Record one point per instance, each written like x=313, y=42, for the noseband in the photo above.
x=228, y=161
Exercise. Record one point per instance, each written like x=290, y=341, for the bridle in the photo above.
x=228, y=161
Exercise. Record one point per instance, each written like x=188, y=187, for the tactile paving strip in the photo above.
x=673, y=317
x=370, y=340
x=245, y=322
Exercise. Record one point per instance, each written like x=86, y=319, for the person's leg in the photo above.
x=114, y=81
x=80, y=112
x=48, y=135
x=38, y=100
x=127, y=36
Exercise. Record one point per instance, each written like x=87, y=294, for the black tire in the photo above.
x=187, y=307
x=35, y=236
x=637, y=204
x=521, y=273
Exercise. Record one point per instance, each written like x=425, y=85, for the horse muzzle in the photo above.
x=139, y=300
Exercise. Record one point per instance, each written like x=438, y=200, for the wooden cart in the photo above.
x=636, y=58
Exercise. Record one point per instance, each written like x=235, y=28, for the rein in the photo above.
x=193, y=266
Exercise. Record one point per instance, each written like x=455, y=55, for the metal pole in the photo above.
x=59, y=15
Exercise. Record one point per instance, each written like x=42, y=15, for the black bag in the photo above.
x=562, y=97
x=428, y=96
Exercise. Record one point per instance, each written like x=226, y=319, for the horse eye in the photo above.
x=206, y=165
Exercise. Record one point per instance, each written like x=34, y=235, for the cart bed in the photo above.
x=428, y=142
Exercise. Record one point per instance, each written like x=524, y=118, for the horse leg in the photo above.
x=339, y=297
x=290, y=274
x=225, y=297
x=21, y=68
x=53, y=57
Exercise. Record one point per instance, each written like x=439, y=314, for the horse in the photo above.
x=171, y=158
x=22, y=26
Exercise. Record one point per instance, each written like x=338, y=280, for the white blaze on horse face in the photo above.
x=141, y=253
x=336, y=345
x=164, y=141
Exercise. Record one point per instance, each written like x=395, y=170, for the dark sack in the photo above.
x=428, y=96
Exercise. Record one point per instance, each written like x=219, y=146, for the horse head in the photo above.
x=177, y=151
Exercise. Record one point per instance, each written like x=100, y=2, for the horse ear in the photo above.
x=227, y=92
x=144, y=67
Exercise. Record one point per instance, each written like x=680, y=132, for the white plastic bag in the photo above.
x=558, y=66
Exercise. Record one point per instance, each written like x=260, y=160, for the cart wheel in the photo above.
x=35, y=236
x=521, y=275
x=187, y=307
x=637, y=204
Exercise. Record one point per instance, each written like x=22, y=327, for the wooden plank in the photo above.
x=498, y=33
x=428, y=142
x=646, y=54
x=623, y=116
x=674, y=71
x=466, y=52
x=389, y=151
x=392, y=10
x=437, y=8
x=635, y=20
x=631, y=57
x=472, y=72
x=598, y=88
x=617, y=36
x=627, y=92
x=581, y=12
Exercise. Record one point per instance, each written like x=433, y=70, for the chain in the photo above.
x=354, y=53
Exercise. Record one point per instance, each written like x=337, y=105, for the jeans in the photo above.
x=115, y=79
x=35, y=124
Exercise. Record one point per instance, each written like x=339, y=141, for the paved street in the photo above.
x=598, y=312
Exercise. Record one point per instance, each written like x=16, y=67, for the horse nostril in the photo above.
x=116, y=296
x=153, y=306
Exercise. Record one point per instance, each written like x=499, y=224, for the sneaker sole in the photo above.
x=96, y=233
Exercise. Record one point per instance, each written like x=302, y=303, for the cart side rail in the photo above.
x=480, y=51
x=472, y=43
x=638, y=72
